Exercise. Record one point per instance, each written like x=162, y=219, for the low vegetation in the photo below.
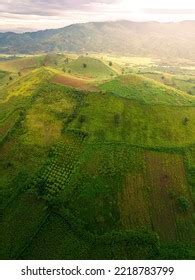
x=95, y=164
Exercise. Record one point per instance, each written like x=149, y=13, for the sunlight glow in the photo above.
x=39, y=14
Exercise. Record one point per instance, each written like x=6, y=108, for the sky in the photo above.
x=32, y=15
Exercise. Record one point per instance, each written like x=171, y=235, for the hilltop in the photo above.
x=122, y=37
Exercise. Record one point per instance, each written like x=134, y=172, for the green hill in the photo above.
x=90, y=67
x=102, y=174
x=145, y=90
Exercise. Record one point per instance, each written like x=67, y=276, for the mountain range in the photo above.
x=120, y=37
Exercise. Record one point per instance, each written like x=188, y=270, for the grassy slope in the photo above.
x=185, y=83
x=18, y=92
x=146, y=91
x=22, y=64
x=33, y=123
x=105, y=143
x=141, y=125
x=94, y=68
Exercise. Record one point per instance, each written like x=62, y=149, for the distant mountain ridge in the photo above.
x=122, y=37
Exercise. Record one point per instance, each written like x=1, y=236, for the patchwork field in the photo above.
x=97, y=158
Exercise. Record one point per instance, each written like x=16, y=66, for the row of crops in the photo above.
x=55, y=176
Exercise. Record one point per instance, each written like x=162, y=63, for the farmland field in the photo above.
x=97, y=157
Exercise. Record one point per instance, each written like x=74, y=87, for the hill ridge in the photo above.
x=176, y=39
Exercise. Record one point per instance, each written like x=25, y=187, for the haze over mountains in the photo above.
x=122, y=37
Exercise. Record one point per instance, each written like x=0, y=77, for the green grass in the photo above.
x=146, y=91
x=8, y=125
x=18, y=94
x=99, y=178
x=90, y=67
x=184, y=83
x=22, y=64
x=56, y=241
x=109, y=164
x=2, y=74
x=20, y=221
x=139, y=124
x=119, y=186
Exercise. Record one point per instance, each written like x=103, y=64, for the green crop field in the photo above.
x=97, y=158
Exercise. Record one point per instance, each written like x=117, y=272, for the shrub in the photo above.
x=117, y=119
x=41, y=187
x=185, y=121
x=82, y=118
x=84, y=65
x=110, y=63
x=175, y=251
x=183, y=204
x=189, y=92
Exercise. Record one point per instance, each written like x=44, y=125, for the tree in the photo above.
x=66, y=60
x=10, y=78
x=183, y=204
x=110, y=63
x=19, y=74
x=185, y=121
x=82, y=118
x=84, y=65
x=41, y=187
x=117, y=119
x=190, y=91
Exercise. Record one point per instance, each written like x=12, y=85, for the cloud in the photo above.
x=29, y=15
x=47, y=7
x=19, y=15
x=170, y=11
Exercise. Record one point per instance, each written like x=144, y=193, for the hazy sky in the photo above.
x=28, y=15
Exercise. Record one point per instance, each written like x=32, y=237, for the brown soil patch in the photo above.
x=74, y=82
